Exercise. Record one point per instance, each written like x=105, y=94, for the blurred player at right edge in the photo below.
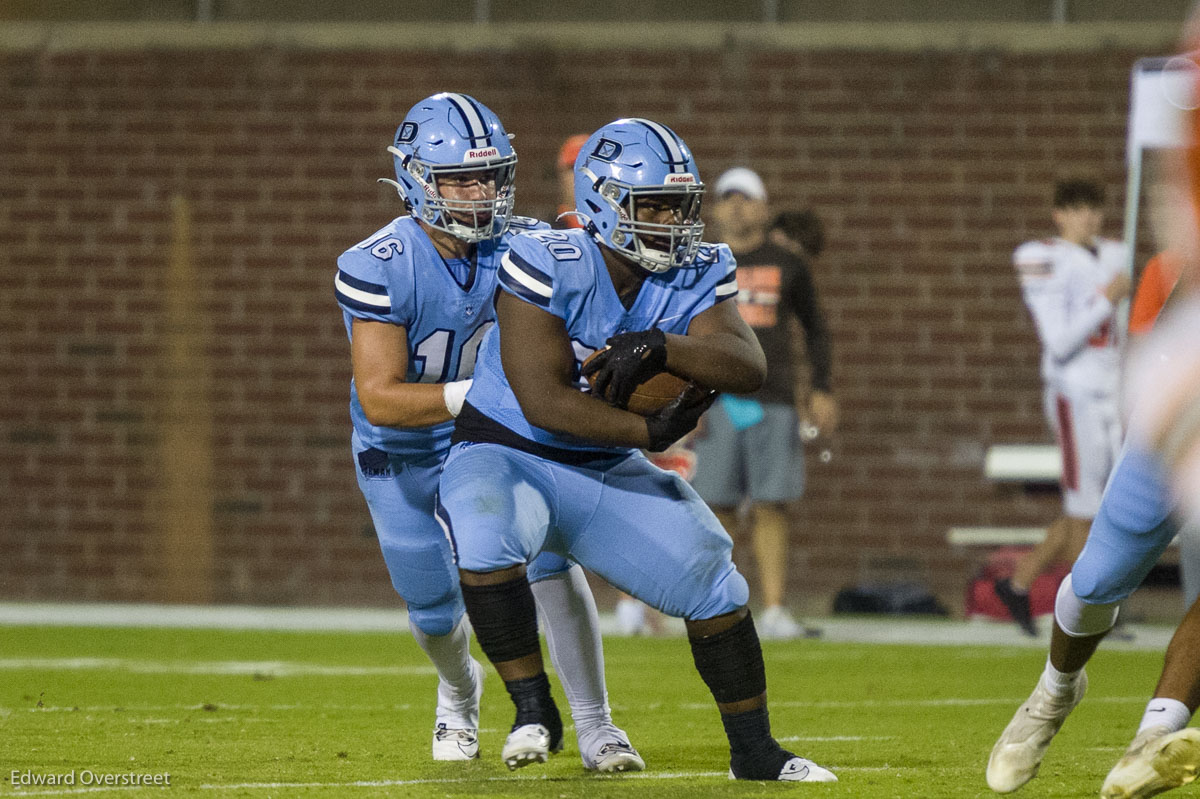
x=1156, y=484
x=1164, y=392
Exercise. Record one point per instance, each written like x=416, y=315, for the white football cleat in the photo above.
x=1156, y=761
x=1018, y=754
x=456, y=731
x=800, y=769
x=450, y=744
x=615, y=756
x=777, y=624
x=529, y=743
x=606, y=748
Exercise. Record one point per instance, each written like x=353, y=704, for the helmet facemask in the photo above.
x=471, y=220
x=656, y=246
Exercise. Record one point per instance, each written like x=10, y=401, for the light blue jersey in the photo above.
x=504, y=503
x=396, y=276
x=563, y=272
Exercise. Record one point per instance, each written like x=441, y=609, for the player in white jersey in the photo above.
x=417, y=300
x=1071, y=285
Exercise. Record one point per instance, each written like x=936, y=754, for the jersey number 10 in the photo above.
x=433, y=356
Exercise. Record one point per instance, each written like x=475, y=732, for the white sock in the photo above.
x=1058, y=682
x=573, y=638
x=1169, y=713
x=451, y=656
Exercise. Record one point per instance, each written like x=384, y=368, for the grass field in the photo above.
x=281, y=714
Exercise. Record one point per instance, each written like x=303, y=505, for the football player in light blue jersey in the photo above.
x=417, y=301
x=540, y=465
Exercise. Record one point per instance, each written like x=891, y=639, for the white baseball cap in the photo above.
x=743, y=181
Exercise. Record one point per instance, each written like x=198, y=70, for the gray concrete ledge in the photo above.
x=838, y=629
x=1153, y=38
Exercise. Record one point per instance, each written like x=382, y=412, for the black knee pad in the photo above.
x=730, y=662
x=504, y=617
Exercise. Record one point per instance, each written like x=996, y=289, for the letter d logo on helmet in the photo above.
x=406, y=133
x=637, y=159
x=607, y=150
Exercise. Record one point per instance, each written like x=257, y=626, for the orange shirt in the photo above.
x=1156, y=284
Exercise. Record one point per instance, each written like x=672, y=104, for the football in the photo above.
x=653, y=394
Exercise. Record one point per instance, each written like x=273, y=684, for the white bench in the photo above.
x=1012, y=463
x=995, y=536
x=1023, y=463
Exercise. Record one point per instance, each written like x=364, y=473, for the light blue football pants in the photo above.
x=401, y=493
x=642, y=529
x=1132, y=528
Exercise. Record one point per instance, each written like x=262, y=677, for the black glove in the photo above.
x=678, y=417
x=630, y=360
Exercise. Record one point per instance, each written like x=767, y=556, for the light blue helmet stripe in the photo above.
x=674, y=153
x=477, y=127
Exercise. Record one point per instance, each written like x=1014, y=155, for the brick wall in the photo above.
x=929, y=167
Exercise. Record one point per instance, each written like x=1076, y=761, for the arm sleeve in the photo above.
x=802, y=299
x=1047, y=295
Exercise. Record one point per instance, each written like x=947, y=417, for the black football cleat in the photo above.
x=1017, y=604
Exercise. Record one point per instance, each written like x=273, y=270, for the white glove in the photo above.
x=454, y=394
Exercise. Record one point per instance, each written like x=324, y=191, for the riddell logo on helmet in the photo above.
x=681, y=178
x=486, y=152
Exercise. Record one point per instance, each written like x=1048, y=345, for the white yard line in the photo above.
x=944, y=702
x=272, y=668
x=225, y=617
x=214, y=708
x=698, y=706
x=828, y=738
